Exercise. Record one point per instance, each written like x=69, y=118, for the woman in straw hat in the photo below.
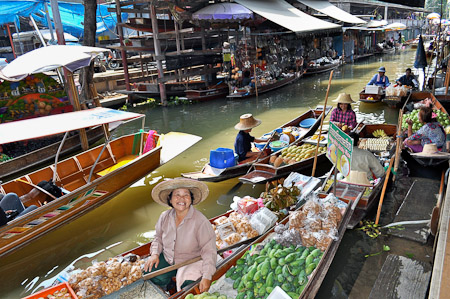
x=380, y=79
x=243, y=142
x=343, y=115
x=182, y=233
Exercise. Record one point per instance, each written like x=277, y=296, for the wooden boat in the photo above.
x=370, y=97
x=388, y=50
x=89, y=179
x=316, y=277
x=206, y=174
x=321, y=69
x=244, y=94
x=46, y=154
x=262, y=172
x=362, y=56
x=394, y=101
x=210, y=93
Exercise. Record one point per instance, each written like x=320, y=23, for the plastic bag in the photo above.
x=390, y=90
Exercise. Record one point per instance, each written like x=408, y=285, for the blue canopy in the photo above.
x=12, y=10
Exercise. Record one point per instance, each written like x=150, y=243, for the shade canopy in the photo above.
x=433, y=15
x=60, y=123
x=395, y=26
x=49, y=58
x=421, y=58
x=329, y=9
x=223, y=11
x=286, y=15
x=376, y=23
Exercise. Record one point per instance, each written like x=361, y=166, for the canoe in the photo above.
x=316, y=277
x=263, y=172
x=231, y=172
x=388, y=51
x=46, y=154
x=321, y=69
x=89, y=179
x=364, y=97
x=210, y=93
x=265, y=88
x=368, y=198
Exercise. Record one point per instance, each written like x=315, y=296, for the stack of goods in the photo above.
x=397, y=91
x=104, y=278
x=317, y=223
x=375, y=144
x=232, y=229
x=441, y=117
x=296, y=153
x=280, y=197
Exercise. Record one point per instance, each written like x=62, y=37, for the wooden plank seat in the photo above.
x=120, y=162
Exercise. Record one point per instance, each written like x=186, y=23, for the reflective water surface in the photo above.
x=129, y=219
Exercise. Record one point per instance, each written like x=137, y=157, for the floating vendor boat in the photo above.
x=212, y=92
x=321, y=68
x=272, y=85
x=395, y=101
x=88, y=179
x=388, y=50
x=371, y=94
x=211, y=174
x=367, y=197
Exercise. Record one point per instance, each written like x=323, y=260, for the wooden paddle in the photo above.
x=383, y=191
x=321, y=124
x=436, y=210
x=261, y=152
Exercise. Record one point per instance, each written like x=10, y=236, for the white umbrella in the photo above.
x=49, y=58
x=395, y=26
x=376, y=23
x=434, y=15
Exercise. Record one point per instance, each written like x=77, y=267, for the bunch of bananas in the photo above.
x=379, y=133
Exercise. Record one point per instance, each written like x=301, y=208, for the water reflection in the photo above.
x=128, y=220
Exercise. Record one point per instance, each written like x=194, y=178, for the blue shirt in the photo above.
x=379, y=81
x=243, y=144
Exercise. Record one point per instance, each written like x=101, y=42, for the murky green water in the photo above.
x=128, y=220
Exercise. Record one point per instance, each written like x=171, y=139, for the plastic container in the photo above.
x=52, y=290
x=307, y=123
x=260, y=146
x=278, y=293
x=222, y=158
x=277, y=145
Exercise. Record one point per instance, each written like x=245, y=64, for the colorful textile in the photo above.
x=379, y=81
x=348, y=117
x=431, y=133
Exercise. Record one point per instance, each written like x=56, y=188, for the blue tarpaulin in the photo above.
x=72, y=15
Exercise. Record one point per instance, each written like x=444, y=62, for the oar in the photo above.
x=383, y=191
x=436, y=210
x=193, y=260
x=321, y=124
x=262, y=151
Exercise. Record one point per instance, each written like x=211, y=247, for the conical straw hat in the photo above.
x=160, y=192
x=344, y=98
x=431, y=151
x=357, y=178
x=246, y=122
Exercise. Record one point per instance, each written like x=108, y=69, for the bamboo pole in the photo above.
x=321, y=124
x=399, y=142
x=383, y=191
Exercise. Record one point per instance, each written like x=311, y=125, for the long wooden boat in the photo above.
x=210, y=93
x=46, y=154
x=368, y=196
x=321, y=69
x=316, y=277
x=266, y=88
x=263, y=172
x=388, y=50
x=394, y=101
x=89, y=179
x=370, y=97
x=231, y=172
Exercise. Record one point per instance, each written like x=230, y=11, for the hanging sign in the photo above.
x=339, y=149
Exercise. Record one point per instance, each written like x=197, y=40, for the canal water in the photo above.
x=128, y=220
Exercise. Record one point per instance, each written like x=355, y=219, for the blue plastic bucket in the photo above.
x=307, y=123
x=222, y=158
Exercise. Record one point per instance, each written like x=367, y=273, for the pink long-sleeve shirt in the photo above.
x=194, y=236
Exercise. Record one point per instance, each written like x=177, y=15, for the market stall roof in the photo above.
x=61, y=123
x=286, y=15
x=223, y=11
x=329, y=9
x=363, y=28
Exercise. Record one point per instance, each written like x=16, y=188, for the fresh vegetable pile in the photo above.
x=442, y=118
x=207, y=295
x=256, y=275
x=280, y=197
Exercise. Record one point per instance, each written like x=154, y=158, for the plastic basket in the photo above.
x=52, y=290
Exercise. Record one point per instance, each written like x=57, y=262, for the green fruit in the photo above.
x=302, y=279
x=257, y=276
x=265, y=268
x=286, y=271
x=269, y=289
x=309, y=260
x=272, y=253
x=249, y=295
x=315, y=252
x=236, y=283
x=273, y=263
x=262, y=291
x=282, y=261
x=270, y=279
x=229, y=273
x=251, y=273
x=310, y=268
x=295, y=271
x=293, y=295
x=280, y=278
x=297, y=263
x=286, y=287
x=240, y=261
x=278, y=270
x=291, y=257
x=190, y=296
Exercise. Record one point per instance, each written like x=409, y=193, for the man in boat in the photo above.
x=364, y=160
x=380, y=79
x=408, y=79
x=182, y=234
x=243, y=142
x=343, y=115
x=247, y=80
x=12, y=207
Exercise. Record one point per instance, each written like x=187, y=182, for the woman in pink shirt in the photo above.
x=182, y=233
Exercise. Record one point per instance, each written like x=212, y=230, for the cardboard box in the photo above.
x=374, y=89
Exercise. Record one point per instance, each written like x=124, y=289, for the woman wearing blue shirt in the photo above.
x=380, y=79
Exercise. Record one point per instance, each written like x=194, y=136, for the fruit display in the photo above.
x=379, y=133
x=441, y=117
x=370, y=98
x=232, y=229
x=374, y=144
x=280, y=197
x=207, y=295
x=256, y=274
x=295, y=153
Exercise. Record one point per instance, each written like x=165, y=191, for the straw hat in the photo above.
x=344, y=98
x=160, y=192
x=382, y=69
x=431, y=151
x=246, y=122
x=357, y=178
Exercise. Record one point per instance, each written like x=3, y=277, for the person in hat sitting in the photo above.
x=243, y=142
x=364, y=160
x=343, y=115
x=431, y=132
x=380, y=79
x=182, y=233
x=408, y=79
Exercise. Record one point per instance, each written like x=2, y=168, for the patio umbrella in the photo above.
x=434, y=15
x=49, y=58
x=223, y=11
x=421, y=58
x=395, y=26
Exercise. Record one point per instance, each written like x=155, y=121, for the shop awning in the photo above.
x=329, y=9
x=284, y=14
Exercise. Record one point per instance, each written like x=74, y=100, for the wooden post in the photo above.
x=398, y=146
x=123, y=53
x=71, y=89
x=155, y=30
x=11, y=40
x=254, y=67
x=321, y=124
x=383, y=191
